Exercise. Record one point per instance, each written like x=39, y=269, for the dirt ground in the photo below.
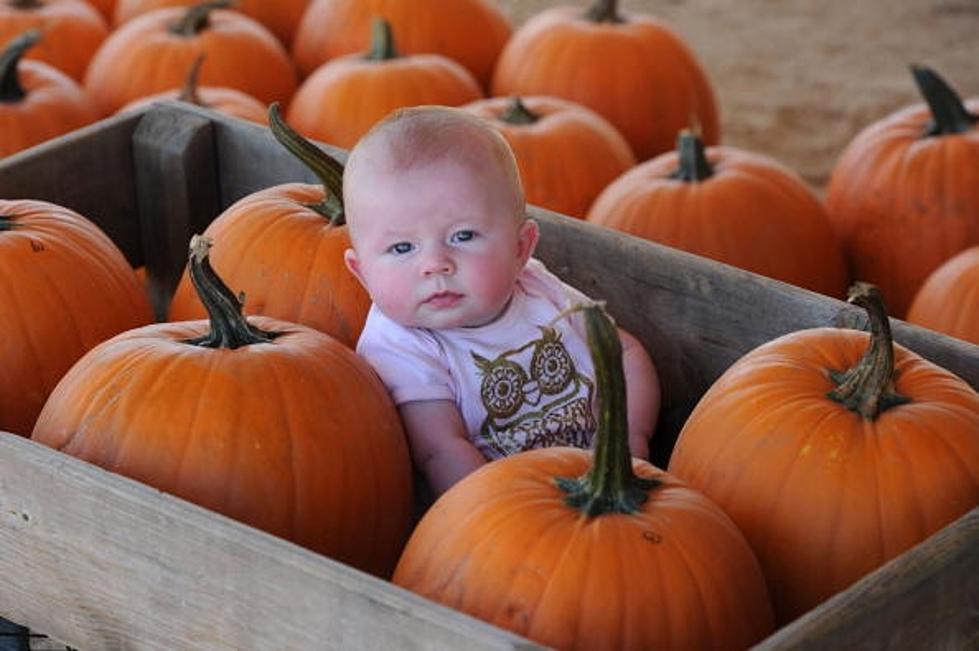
x=797, y=79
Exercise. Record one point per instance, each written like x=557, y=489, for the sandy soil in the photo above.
x=797, y=79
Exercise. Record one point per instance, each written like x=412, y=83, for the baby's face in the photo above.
x=438, y=246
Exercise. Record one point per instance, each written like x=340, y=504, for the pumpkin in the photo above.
x=833, y=452
x=37, y=102
x=731, y=205
x=283, y=246
x=225, y=100
x=566, y=153
x=66, y=288
x=73, y=31
x=281, y=17
x=345, y=97
x=628, y=67
x=470, y=32
x=105, y=7
x=948, y=301
x=271, y=423
x=153, y=52
x=904, y=194
x=576, y=550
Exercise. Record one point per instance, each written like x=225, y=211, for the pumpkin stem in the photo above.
x=229, y=328
x=868, y=387
x=517, y=112
x=693, y=164
x=195, y=20
x=10, y=88
x=610, y=485
x=604, y=11
x=189, y=92
x=382, y=41
x=326, y=168
x=948, y=112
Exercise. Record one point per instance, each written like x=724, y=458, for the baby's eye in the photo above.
x=463, y=236
x=400, y=248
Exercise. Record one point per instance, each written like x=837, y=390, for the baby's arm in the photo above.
x=642, y=393
x=438, y=442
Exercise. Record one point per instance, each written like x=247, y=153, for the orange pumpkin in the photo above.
x=904, y=194
x=730, y=205
x=590, y=551
x=283, y=246
x=628, y=67
x=280, y=16
x=566, y=153
x=225, y=100
x=470, y=32
x=833, y=455
x=37, y=102
x=73, y=31
x=67, y=288
x=345, y=97
x=153, y=52
x=948, y=301
x=268, y=422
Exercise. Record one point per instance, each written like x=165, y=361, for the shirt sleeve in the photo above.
x=408, y=360
x=537, y=279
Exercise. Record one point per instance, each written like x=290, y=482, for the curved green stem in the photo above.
x=517, y=113
x=693, y=164
x=229, y=328
x=604, y=11
x=195, y=20
x=10, y=88
x=610, y=485
x=326, y=168
x=382, y=41
x=948, y=112
x=868, y=387
x=189, y=92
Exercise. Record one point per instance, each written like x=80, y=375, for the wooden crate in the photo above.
x=102, y=562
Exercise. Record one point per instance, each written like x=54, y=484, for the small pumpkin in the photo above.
x=37, y=102
x=948, y=301
x=470, y=32
x=833, y=452
x=734, y=206
x=345, y=97
x=283, y=246
x=219, y=98
x=630, y=68
x=904, y=194
x=268, y=422
x=582, y=550
x=73, y=30
x=66, y=288
x=153, y=52
x=566, y=153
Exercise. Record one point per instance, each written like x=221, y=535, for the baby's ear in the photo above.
x=353, y=264
x=527, y=239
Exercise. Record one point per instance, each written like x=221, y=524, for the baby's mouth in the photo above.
x=443, y=299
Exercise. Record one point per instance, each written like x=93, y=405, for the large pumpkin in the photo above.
x=566, y=153
x=283, y=247
x=471, y=32
x=66, y=288
x=73, y=31
x=740, y=208
x=833, y=453
x=590, y=551
x=904, y=194
x=37, y=102
x=628, y=67
x=345, y=97
x=948, y=301
x=153, y=52
x=268, y=422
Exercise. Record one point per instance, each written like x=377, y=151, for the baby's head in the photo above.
x=437, y=218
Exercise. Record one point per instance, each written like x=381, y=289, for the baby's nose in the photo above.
x=437, y=263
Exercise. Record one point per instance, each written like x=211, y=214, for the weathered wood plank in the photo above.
x=927, y=598
x=102, y=562
x=90, y=171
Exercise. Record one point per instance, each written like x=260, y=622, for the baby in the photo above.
x=462, y=329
